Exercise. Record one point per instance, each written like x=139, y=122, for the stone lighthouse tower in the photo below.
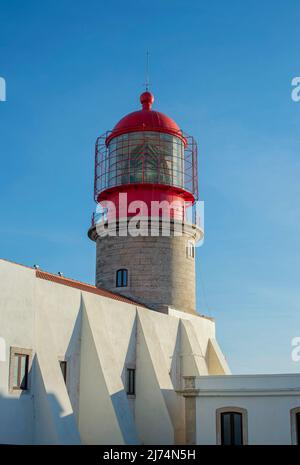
x=146, y=185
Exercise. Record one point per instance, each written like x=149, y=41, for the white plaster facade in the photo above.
x=98, y=337
x=266, y=401
x=181, y=373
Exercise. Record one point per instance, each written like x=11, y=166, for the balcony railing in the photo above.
x=190, y=215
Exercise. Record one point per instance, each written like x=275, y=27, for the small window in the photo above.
x=298, y=428
x=19, y=371
x=131, y=381
x=122, y=278
x=190, y=249
x=295, y=417
x=63, y=367
x=231, y=429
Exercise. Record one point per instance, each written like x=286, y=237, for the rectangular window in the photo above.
x=63, y=367
x=20, y=373
x=298, y=427
x=122, y=278
x=131, y=381
x=231, y=429
x=190, y=249
x=19, y=369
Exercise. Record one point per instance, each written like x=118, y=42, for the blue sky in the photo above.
x=223, y=71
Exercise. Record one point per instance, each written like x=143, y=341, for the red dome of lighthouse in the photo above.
x=146, y=120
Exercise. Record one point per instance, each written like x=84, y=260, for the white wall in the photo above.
x=268, y=400
x=36, y=315
x=98, y=337
x=17, y=329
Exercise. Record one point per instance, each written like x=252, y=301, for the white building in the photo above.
x=133, y=375
x=130, y=362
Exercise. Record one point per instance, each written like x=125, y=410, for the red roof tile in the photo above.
x=84, y=287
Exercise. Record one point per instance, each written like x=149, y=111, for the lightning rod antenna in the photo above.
x=147, y=84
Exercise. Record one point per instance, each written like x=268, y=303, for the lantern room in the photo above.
x=148, y=157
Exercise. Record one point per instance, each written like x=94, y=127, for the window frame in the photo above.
x=190, y=250
x=122, y=270
x=131, y=393
x=65, y=373
x=244, y=416
x=295, y=432
x=14, y=353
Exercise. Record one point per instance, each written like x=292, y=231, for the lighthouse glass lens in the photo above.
x=145, y=157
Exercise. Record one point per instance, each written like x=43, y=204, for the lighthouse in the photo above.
x=146, y=176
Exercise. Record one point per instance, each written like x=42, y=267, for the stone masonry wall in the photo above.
x=160, y=273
